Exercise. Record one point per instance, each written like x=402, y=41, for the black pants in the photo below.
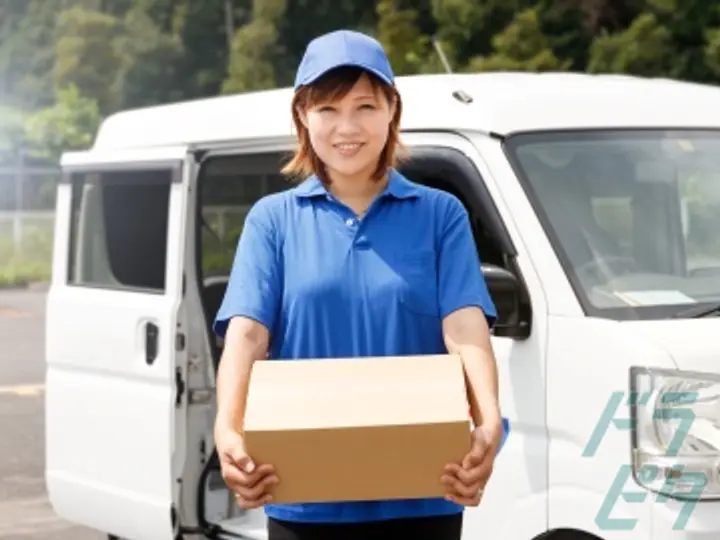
x=424, y=528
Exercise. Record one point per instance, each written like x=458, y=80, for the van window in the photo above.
x=118, y=237
x=614, y=215
x=229, y=186
x=629, y=215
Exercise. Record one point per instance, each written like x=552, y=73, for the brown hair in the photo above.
x=335, y=85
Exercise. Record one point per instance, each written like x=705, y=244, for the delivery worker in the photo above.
x=356, y=260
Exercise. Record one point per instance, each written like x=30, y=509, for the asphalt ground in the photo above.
x=25, y=513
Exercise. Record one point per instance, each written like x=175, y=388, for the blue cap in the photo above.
x=343, y=48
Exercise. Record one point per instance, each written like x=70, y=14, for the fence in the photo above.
x=27, y=197
x=20, y=228
x=25, y=246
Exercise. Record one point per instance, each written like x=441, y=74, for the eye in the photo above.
x=325, y=108
x=367, y=106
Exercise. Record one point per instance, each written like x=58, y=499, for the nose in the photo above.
x=347, y=124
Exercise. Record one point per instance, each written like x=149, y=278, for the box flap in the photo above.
x=355, y=392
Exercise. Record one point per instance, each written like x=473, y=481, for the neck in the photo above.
x=356, y=187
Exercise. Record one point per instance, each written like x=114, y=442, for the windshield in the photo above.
x=633, y=216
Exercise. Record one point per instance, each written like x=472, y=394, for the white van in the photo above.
x=595, y=202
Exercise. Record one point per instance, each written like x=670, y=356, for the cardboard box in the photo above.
x=358, y=429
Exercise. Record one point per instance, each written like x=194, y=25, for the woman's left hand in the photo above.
x=464, y=483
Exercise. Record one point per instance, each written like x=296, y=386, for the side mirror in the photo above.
x=505, y=291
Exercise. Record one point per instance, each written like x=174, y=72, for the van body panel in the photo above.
x=692, y=343
x=111, y=354
x=581, y=474
x=703, y=520
x=581, y=509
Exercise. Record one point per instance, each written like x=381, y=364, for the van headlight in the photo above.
x=676, y=432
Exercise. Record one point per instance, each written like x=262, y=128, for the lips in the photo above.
x=348, y=149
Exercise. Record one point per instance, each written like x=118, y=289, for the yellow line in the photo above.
x=23, y=390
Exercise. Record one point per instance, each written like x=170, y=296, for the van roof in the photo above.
x=502, y=103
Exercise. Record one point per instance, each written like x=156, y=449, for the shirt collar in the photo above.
x=398, y=187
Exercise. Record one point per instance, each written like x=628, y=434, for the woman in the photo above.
x=355, y=261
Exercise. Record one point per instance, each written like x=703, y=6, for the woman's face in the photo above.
x=349, y=134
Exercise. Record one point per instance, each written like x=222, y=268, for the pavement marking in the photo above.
x=12, y=313
x=29, y=517
x=22, y=390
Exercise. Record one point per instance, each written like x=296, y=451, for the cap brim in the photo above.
x=315, y=76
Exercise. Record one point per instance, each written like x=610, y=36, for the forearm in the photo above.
x=482, y=381
x=244, y=345
x=467, y=335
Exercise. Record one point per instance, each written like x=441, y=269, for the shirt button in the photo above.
x=350, y=222
x=362, y=242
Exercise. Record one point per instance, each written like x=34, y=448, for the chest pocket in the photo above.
x=419, y=288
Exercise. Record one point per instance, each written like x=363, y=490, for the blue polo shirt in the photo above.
x=329, y=285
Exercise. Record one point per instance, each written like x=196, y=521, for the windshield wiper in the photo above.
x=697, y=312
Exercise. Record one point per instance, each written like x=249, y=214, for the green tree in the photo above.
x=11, y=132
x=406, y=46
x=86, y=56
x=27, y=53
x=466, y=27
x=70, y=124
x=689, y=24
x=203, y=28
x=645, y=48
x=521, y=46
x=254, y=49
x=149, y=61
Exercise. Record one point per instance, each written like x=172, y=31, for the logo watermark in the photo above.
x=685, y=417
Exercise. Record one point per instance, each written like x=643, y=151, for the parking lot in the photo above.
x=24, y=509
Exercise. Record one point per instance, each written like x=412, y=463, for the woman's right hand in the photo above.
x=250, y=483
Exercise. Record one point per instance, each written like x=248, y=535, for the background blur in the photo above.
x=66, y=64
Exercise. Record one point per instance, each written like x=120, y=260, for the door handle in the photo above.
x=151, y=342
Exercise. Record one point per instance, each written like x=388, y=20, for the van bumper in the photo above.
x=675, y=520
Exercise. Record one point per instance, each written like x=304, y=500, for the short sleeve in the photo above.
x=460, y=279
x=255, y=284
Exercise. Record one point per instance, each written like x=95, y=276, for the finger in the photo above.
x=259, y=490
x=465, y=501
x=457, y=488
x=261, y=472
x=241, y=460
x=232, y=476
x=474, y=475
x=235, y=478
x=251, y=504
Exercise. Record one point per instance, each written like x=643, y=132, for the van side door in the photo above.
x=114, y=341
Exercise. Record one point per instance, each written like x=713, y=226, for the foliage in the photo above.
x=67, y=125
x=29, y=264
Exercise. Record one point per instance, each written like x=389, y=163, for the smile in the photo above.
x=348, y=149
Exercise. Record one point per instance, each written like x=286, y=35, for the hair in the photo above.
x=334, y=85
